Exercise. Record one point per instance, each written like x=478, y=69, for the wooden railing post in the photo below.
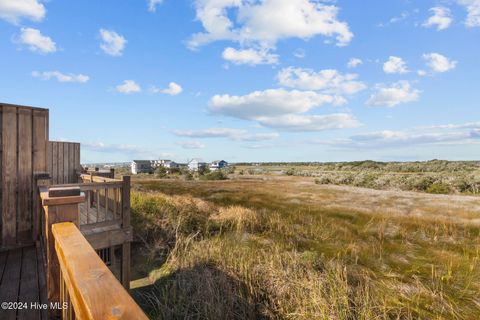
x=126, y=224
x=60, y=205
x=42, y=179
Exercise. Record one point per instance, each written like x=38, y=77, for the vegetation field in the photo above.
x=285, y=247
x=435, y=176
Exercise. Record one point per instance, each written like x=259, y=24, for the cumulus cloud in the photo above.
x=36, y=41
x=229, y=133
x=395, y=65
x=439, y=63
x=152, y=5
x=191, y=144
x=294, y=122
x=473, y=12
x=390, y=96
x=354, y=62
x=128, y=87
x=441, y=18
x=14, y=10
x=265, y=22
x=271, y=102
x=249, y=56
x=327, y=81
x=112, y=43
x=61, y=77
x=173, y=89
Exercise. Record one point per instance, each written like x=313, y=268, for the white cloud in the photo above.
x=228, y=133
x=467, y=125
x=264, y=23
x=14, y=10
x=388, y=139
x=421, y=73
x=473, y=12
x=438, y=62
x=300, y=53
x=112, y=43
x=441, y=18
x=128, y=87
x=354, y=62
x=152, y=5
x=390, y=96
x=191, y=144
x=128, y=150
x=427, y=135
x=36, y=41
x=272, y=102
x=294, y=122
x=173, y=89
x=395, y=65
x=61, y=77
x=249, y=56
x=328, y=81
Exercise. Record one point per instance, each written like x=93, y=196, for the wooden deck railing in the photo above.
x=88, y=289
x=105, y=200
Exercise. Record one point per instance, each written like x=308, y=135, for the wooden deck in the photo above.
x=90, y=215
x=22, y=280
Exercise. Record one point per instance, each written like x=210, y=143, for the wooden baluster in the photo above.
x=106, y=204
x=97, y=193
x=115, y=190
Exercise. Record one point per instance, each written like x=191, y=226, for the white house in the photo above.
x=142, y=166
x=195, y=165
x=170, y=164
x=218, y=164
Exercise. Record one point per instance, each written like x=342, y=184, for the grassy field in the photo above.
x=435, y=176
x=284, y=247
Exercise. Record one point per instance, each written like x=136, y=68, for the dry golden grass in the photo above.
x=286, y=248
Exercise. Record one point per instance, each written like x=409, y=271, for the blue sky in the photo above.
x=249, y=80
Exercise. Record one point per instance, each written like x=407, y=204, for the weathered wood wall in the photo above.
x=63, y=161
x=24, y=137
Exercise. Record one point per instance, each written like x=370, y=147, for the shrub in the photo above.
x=438, y=188
x=215, y=175
x=161, y=172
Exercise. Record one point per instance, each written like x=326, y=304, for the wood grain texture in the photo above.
x=82, y=268
x=9, y=176
x=25, y=175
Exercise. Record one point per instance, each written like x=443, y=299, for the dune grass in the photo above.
x=243, y=250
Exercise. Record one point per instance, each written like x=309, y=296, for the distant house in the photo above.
x=149, y=166
x=218, y=164
x=196, y=165
x=142, y=166
x=170, y=164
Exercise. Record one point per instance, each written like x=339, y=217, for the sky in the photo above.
x=249, y=80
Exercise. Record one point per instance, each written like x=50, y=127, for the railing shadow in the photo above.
x=202, y=291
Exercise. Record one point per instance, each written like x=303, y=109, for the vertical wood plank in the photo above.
x=9, y=176
x=60, y=163
x=77, y=159
x=66, y=163
x=25, y=175
x=54, y=172
x=40, y=139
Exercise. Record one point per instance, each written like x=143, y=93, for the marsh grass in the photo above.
x=222, y=250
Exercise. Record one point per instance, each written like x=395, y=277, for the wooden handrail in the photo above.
x=93, y=290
